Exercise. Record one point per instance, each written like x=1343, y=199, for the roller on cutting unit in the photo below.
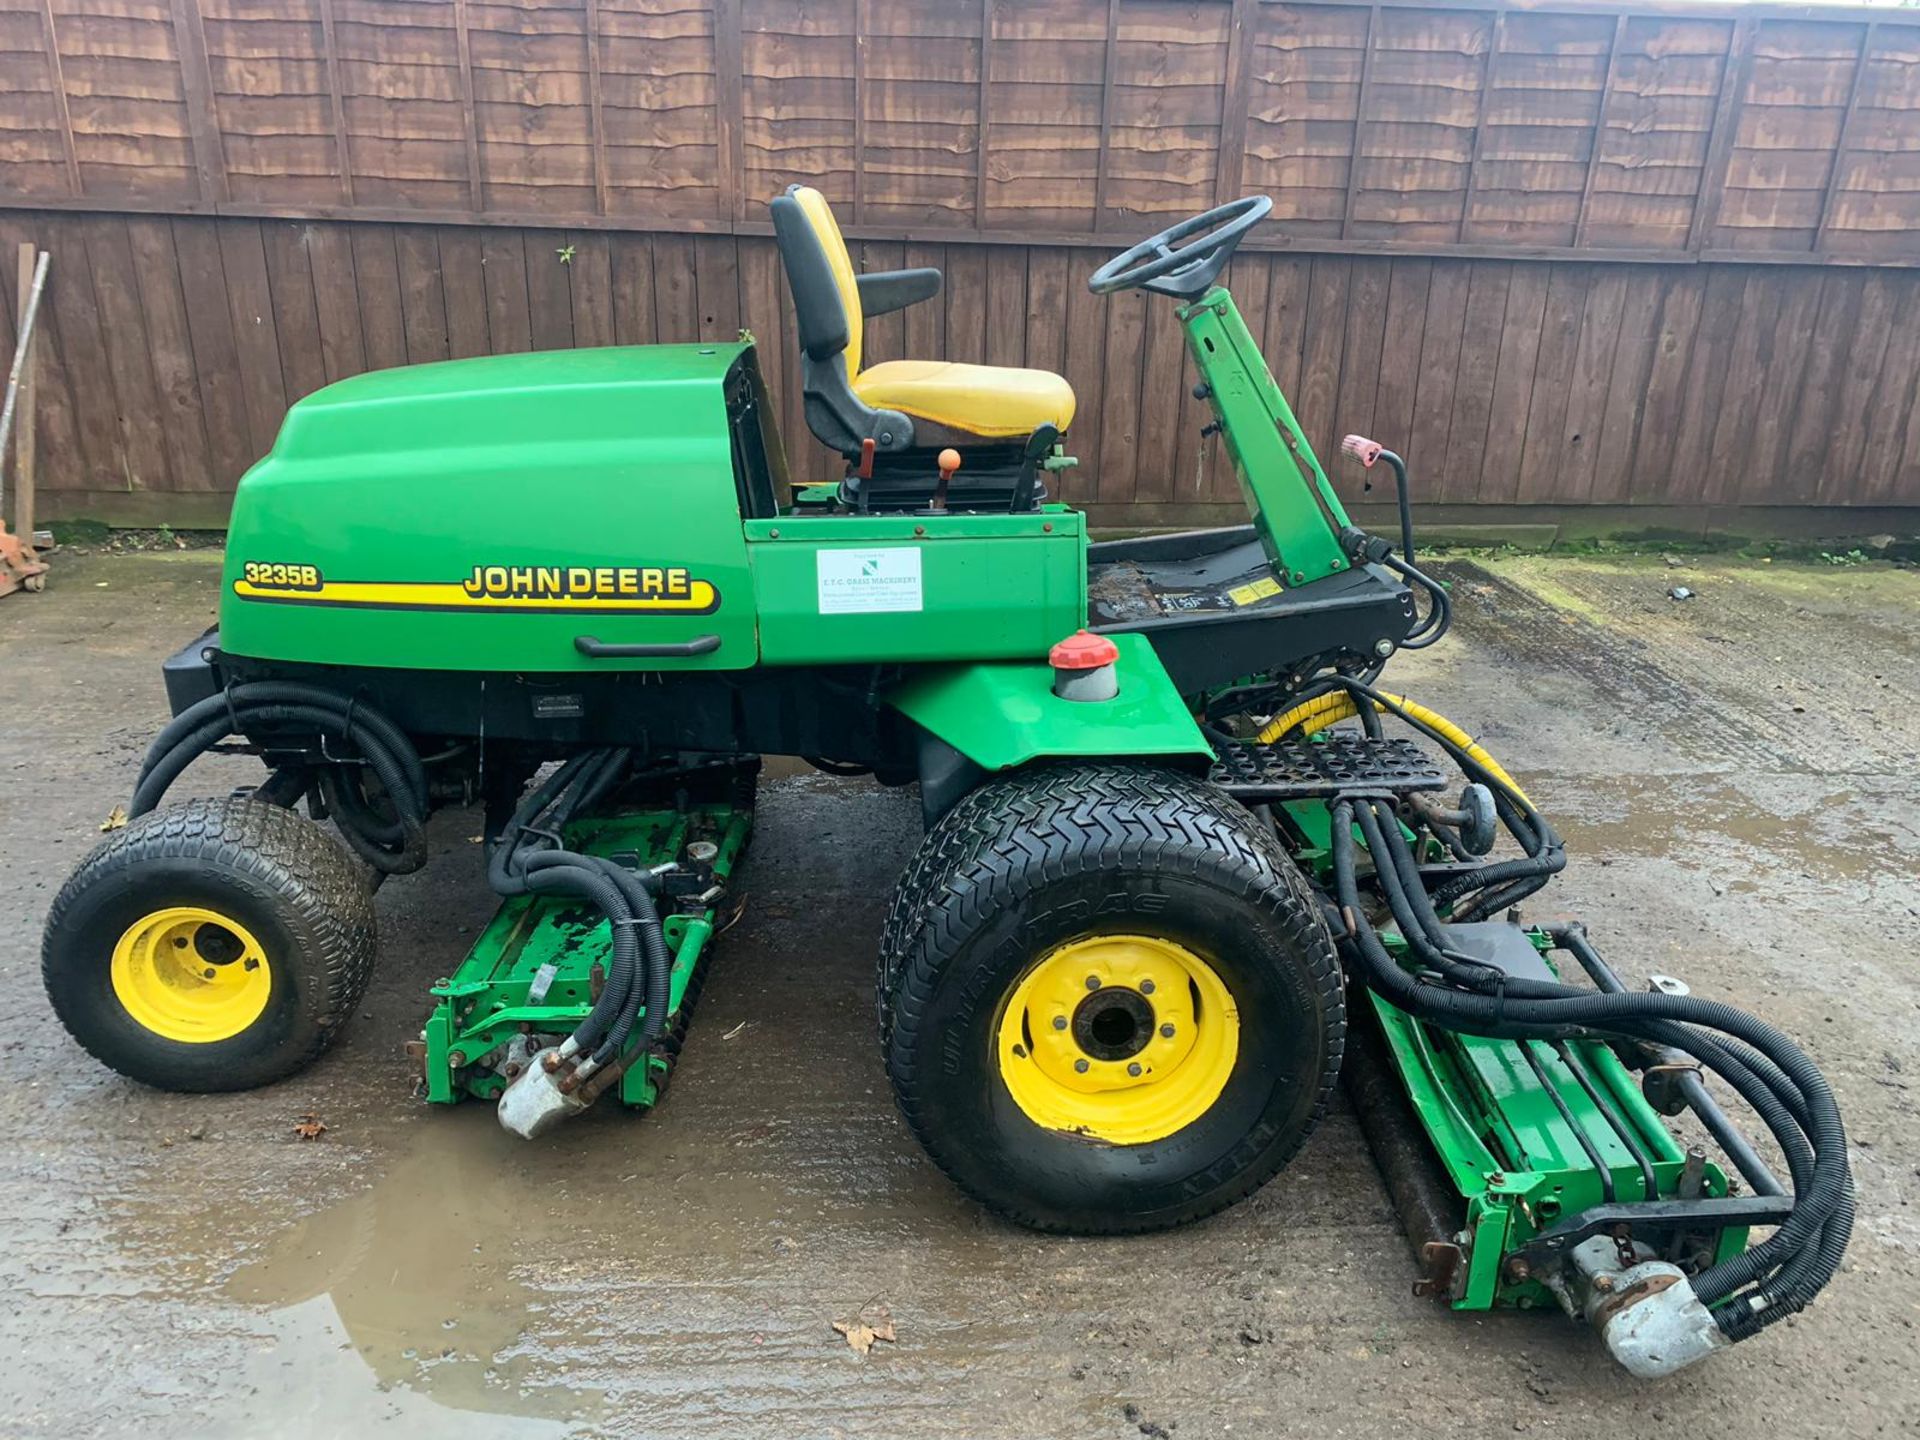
x=1187, y=860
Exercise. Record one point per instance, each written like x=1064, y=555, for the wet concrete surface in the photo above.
x=1736, y=778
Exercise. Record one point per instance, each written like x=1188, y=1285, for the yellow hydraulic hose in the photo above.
x=1317, y=715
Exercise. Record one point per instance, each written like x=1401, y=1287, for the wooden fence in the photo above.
x=1568, y=256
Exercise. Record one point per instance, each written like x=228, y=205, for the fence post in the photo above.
x=22, y=398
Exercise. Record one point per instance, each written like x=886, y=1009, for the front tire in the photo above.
x=213, y=945
x=1108, y=1002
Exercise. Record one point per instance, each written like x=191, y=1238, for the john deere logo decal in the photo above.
x=518, y=589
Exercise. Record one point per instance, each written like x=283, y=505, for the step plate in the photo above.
x=1340, y=764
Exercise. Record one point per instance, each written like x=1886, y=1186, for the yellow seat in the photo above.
x=990, y=400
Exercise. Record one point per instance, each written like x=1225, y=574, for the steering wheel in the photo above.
x=1162, y=264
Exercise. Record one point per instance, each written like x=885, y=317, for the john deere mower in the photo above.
x=1186, y=860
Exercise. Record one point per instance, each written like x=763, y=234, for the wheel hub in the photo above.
x=1121, y=1038
x=191, y=974
x=1113, y=1023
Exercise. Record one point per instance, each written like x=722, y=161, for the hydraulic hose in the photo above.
x=529, y=855
x=392, y=848
x=1775, y=1277
x=1439, y=617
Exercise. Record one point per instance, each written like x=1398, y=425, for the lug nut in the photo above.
x=1081, y=1066
x=1167, y=1030
x=1059, y=1022
x=1134, y=1068
x=1093, y=982
x=1146, y=987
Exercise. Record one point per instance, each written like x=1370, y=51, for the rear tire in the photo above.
x=1083, y=863
x=264, y=907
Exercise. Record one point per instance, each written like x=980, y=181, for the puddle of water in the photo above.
x=310, y=1369
x=421, y=1269
x=1831, y=836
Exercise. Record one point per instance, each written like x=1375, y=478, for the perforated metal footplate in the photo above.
x=1341, y=764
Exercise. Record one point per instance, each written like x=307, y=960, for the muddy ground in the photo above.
x=1736, y=777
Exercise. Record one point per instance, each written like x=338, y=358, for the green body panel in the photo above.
x=484, y=1004
x=951, y=587
x=1006, y=714
x=1294, y=507
x=612, y=462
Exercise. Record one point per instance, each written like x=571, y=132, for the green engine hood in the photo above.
x=484, y=514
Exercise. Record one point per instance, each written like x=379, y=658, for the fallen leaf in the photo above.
x=309, y=1127
x=860, y=1337
x=862, y=1332
x=116, y=819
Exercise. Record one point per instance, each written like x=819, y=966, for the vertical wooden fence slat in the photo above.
x=1106, y=118
x=336, y=300
x=190, y=41
x=1488, y=75
x=1627, y=386
x=129, y=357
x=1440, y=339
x=1835, y=170
x=296, y=317
x=56, y=73
x=423, y=300
x=1480, y=334
x=1084, y=364
x=861, y=22
x=216, y=356
x=987, y=9
x=342, y=146
x=1234, y=97
x=470, y=123
x=1360, y=118
x=1541, y=453
x=163, y=303
x=1648, y=470
x=729, y=107
x=1736, y=74
x=633, y=310
x=376, y=276
x=1586, y=398
x=596, y=117
x=1599, y=131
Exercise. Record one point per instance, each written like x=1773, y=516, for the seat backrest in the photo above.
x=820, y=273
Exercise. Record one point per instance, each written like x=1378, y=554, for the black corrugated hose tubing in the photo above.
x=396, y=847
x=528, y=855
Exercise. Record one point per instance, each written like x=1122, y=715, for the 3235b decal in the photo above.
x=516, y=589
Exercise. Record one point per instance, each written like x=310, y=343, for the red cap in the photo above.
x=1083, y=651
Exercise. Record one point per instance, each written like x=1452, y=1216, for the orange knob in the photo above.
x=949, y=462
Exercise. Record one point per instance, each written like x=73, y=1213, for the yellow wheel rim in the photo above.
x=191, y=974
x=1121, y=1038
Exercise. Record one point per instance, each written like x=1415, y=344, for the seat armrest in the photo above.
x=884, y=291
